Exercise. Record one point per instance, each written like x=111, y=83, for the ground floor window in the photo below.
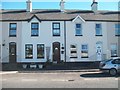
x=40, y=51
x=73, y=51
x=113, y=50
x=84, y=51
x=28, y=51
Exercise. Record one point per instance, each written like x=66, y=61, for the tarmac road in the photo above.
x=58, y=80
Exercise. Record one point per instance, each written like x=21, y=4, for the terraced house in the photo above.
x=39, y=35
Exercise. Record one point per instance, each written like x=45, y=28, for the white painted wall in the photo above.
x=88, y=30
x=45, y=37
x=111, y=38
x=6, y=40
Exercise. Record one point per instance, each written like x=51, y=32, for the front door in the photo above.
x=99, y=51
x=56, y=52
x=12, y=52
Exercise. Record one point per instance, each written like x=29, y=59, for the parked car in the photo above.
x=112, y=66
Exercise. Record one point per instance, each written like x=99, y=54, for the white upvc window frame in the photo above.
x=78, y=29
x=84, y=50
x=73, y=51
x=114, y=49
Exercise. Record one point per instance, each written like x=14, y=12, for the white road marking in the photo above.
x=88, y=79
x=116, y=78
x=4, y=79
x=91, y=79
x=27, y=80
x=62, y=80
x=10, y=72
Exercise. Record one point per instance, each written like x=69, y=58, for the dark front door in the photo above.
x=12, y=52
x=56, y=51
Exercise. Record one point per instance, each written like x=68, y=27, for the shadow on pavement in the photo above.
x=98, y=75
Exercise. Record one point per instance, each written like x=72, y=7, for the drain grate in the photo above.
x=71, y=80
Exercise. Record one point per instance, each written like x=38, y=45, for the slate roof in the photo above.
x=55, y=14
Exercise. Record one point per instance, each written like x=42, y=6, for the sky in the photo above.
x=54, y=4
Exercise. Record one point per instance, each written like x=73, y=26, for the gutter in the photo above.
x=65, y=40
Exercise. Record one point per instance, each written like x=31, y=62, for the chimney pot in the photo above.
x=94, y=6
x=62, y=6
x=29, y=6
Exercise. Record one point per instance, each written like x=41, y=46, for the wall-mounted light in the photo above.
x=3, y=43
x=62, y=46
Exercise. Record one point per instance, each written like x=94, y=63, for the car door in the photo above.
x=116, y=64
x=119, y=65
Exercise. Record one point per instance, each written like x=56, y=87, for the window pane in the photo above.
x=84, y=51
x=29, y=51
x=34, y=32
x=72, y=46
x=13, y=26
x=40, y=51
x=117, y=29
x=34, y=29
x=56, y=25
x=73, y=51
x=98, y=32
x=78, y=25
x=113, y=50
x=12, y=32
x=56, y=29
x=117, y=25
x=84, y=47
x=56, y=32
x=98, y=25
x=34, y=25
x=78, y=30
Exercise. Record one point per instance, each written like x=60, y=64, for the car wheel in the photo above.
x=113, y=72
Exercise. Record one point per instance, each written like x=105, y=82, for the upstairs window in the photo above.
x=12, y=29
x=28, y=51
x=117, y=29
x=34, y=29
x=78, y=30
x=56, y=29
x=84, y=51
x=73, y=51
x=98, y=29
x=113, y=50
x=40, y=51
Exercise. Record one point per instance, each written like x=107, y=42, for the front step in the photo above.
x=10, y=66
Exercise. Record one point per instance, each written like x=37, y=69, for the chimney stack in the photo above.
x=29, y=6
x=62, y=6
x=94, y=6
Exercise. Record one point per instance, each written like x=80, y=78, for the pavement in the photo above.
x=48, y=71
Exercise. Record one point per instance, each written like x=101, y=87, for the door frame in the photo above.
x=14, y=55
x=100, y=51
x=58, y=54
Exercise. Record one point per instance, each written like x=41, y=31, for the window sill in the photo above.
x=78, y=35
x=56, y=35
x=29, y=58
x=73, y=57
x=98, y=35
x=40, y=57
x=84, y=57
x=114, y=56
x=117, y=35
x=12, y=36
x=34, y=35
